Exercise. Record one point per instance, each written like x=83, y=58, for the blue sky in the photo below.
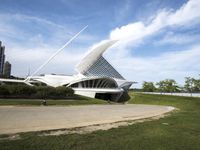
x=158, y=39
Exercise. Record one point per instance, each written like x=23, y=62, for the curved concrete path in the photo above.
x=15, y=119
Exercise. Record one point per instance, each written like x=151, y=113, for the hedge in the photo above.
x=25, y=91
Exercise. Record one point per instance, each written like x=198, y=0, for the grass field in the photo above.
x=178, y=131
x=37, y=102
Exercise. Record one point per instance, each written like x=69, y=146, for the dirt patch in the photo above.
x=10, y=137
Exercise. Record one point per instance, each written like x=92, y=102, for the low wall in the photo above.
x=175, y=94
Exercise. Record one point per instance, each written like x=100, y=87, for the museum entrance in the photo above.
x=104, y=96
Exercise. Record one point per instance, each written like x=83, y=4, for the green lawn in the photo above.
x=178, y=131
x=37, y=102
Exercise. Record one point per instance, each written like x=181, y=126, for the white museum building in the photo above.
x=96, y=78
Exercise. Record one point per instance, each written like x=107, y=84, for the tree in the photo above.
x=148, y=87
x=161, y=86
x=189, y=84
x=192, y=85
x=168, y=85
x=196, y=83
x=171, y=85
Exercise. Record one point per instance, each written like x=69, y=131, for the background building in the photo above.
x=7, y=69
x=2, y=58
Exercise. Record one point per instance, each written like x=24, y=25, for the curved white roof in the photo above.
x=94, y=64
x=93, y=56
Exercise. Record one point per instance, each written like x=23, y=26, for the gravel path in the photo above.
x=15, y=119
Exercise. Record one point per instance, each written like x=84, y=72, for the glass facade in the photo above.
x=102, y=68
x=95, y=83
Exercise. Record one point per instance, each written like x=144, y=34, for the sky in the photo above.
x=157, y=39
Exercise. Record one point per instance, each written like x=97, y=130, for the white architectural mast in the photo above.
x=56, y=53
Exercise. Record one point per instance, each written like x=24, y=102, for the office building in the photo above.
x=7, y=69
x=2, y=58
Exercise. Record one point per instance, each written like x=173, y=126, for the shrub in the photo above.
x=43, y=92
x=4, y=90
x=70, y=91
x=21, y=90
x=64, y=91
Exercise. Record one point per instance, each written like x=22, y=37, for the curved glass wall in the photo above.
x=95, y=83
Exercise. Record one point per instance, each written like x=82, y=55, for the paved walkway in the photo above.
x=14, y=119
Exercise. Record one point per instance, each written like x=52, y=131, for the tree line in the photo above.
x=43, y=92
x=191, y=85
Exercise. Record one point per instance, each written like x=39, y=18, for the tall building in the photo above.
x=2, y=58
x=7, y=69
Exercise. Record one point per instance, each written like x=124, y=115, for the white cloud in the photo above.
x=134, y=31
x=173, y=38
x=186, y=14
x=31, y=40
x=176, y=65
x=22, y=59
x=24, y=27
